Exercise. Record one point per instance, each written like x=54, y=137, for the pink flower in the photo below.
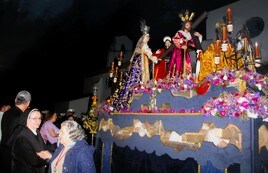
x=244, y=104
x=222, y=113
x=182, y=111
x=192, y=111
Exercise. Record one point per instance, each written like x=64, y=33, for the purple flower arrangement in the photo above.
x=230, y=105
x=250, y=104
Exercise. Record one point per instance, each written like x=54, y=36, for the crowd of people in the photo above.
x=31, y=141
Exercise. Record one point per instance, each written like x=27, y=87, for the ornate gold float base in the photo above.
x=187, y=94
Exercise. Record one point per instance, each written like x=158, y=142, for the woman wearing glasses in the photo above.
x=27, y=143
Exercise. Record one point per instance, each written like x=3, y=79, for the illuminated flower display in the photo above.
x=249, y=103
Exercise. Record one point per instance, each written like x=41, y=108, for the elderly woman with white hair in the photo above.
x=74, y=154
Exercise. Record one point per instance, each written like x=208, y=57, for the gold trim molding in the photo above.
x=263, y=137
x=209, y=132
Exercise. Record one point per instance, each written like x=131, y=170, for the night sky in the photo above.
x=48, y=47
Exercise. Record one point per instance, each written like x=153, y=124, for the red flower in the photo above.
x=237, y=114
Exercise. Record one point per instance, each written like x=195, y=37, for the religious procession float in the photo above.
x=217, y=116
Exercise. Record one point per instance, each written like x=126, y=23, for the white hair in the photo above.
x=74, y=130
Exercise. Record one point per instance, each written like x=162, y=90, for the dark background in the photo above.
x=48, y=47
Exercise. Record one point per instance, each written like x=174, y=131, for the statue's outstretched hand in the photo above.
x=154, y=59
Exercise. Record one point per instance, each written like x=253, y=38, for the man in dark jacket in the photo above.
x=9, y=122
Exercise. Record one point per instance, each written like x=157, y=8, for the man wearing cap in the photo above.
x=70, y=114
x=10, y=121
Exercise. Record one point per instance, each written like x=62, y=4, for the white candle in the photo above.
x=224, y=47
x=216, y=60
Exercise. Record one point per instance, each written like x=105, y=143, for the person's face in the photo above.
x=64, y=135
x=188, y=26
x=34, y=120
x=146, y=38
x=167, y=44
x=54, y=117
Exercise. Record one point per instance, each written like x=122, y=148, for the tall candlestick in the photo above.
x=229, y=15
x=218, y=42
x=113, y=65
x=257, y=53
x=120, y=58
x=111, y=74
x=156, y=73
x=115, y=75
x=224, y=33
x=246, y=44
x=121, y=76
x=116, y=71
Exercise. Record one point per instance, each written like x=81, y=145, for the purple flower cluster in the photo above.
x=254, y=79
x=172, y=84
x=250, y=104
x=237, y=104
x=222, y=78
x=182, y=111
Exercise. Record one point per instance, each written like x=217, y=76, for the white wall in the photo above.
x=242, y=11
x=79, y=105
x=100, y=81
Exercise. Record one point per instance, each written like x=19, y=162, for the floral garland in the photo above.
x=242, y=105
x=222, y=78
x=254, y=79
x=226, y=105
x=227, y=76
x=173, y=84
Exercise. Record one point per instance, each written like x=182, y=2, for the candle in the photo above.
x=112, y=70
x=116, y=71
x=246, y=44
x=224, y=47
x=156, y=73
x=218, y=42
x=216, y=60
x=113, y=65
x=257, y=53
x=224, y=33
x=121, y=76
x=229, y=15
x=115, y=75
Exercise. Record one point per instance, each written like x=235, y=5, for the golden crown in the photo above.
x=186, y=16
